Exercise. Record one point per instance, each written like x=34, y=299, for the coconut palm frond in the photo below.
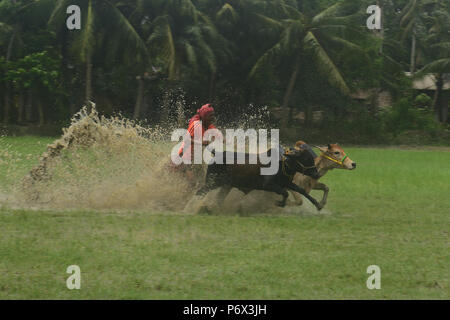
x=208, y=55
x=324, y=63
x=409, y=13
x=196, y=33
x=349, y=20
x=269, y=22
x=393, y=61
x=125, y=31
x=272, y=8
x=205, y=20
x=186, y=9
x=5, y=28
x=293, y=13
x=227, y=12
x=340, y=30
x=208, y=27
x=395, y=45
x=437, y=66
x=58, y=15
x=406, y=8
x=331, y=10
x=268, y=57
x=342, y=43
x=191, y=56
x=291, y=39
x=407, y=30
x=161, y=42
x=443, y=46
x=387, y=83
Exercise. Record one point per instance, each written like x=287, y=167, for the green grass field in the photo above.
x=393, y=211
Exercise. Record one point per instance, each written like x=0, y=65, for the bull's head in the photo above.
x=337, y=157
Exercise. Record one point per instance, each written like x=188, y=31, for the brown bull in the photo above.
x=331, y=157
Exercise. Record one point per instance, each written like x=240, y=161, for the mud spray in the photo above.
x=103, y=163
x=107, y=163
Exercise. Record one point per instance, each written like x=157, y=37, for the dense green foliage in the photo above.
x=298, y=55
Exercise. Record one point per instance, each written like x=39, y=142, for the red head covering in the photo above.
x=202, y=112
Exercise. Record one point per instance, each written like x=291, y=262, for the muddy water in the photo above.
x=102, y=163
x=109, y=163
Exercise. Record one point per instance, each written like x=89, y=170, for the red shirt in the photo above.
x=191, y=131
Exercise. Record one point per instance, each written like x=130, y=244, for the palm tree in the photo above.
x=18, y=15
x=13, y=35
x=412, y=22
x=302, y=37
x=437, y=55
x=10, y=31
x=102, y=23
x=234, y=47
x=181, y=35
x=181, y=40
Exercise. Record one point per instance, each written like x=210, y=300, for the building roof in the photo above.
x=428, y=82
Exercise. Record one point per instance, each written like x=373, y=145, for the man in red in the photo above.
x=200, y=122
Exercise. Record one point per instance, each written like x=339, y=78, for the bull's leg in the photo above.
x=209, y=182
x=215, y=177
x=224, y=192
x=285, y=195
x=297, y=197
x=302, y=191
x=202, y=191
x=270, y=186
x=325, y=189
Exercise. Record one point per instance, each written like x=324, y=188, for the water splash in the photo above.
x=105, y=163
x=112, y=163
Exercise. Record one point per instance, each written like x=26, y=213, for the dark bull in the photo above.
x=247, y=177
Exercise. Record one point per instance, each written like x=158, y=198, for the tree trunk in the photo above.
x=165, y=110
x=444, y=110
x=140, y=96
x=72, y=107
x=437, y=98
x=374, y=102
x=66, y=76
x=7, y=105
x=146, y=104
x=21, y=106
x=413, y=52
x=2, y=90
x=88, y=77
x=288, y=93
x=41, y=113
x=29, y=106
x=381, y=26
